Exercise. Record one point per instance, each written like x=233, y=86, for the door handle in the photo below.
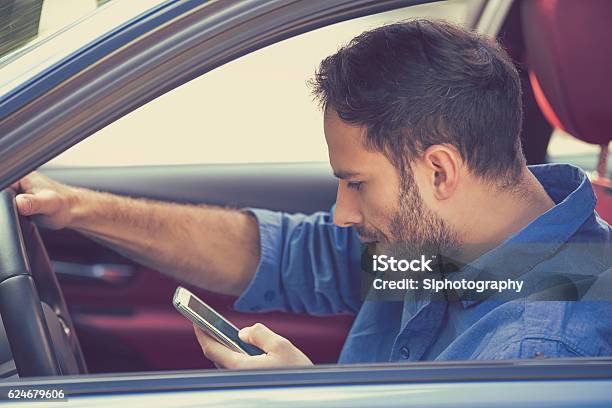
x=113, y=274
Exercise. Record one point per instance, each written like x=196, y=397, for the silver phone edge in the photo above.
x=217, y=334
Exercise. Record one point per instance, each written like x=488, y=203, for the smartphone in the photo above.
x=211, y=322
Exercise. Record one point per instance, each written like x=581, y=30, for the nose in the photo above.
x=347, y=212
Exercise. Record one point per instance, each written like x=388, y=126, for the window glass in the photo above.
x=564, y=148
x=35, y=34
x=255, y=109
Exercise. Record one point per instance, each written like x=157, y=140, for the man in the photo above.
x=422, y=123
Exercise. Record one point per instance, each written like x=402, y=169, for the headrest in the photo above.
x=569, y=52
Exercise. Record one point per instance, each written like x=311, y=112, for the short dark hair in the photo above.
x=419, y=83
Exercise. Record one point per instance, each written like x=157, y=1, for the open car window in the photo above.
x=268, y=87
x=279, y=121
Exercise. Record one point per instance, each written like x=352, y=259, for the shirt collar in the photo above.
x=571, y=191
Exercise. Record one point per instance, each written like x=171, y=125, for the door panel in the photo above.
x=127, y=323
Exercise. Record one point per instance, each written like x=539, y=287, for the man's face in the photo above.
x=383, y=206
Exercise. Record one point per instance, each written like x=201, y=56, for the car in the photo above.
x=85, y=324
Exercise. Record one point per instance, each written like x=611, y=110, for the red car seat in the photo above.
x=569, y=53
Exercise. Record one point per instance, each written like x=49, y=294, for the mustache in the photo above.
x=369, y=235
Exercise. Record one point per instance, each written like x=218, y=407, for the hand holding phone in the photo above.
x=211, y=322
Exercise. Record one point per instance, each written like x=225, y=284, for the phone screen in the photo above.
x=220, y=324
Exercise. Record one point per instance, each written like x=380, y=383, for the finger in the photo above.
x=42, y=202
x=30, y=204
x=217, y=352
x=264, y=338
x=26, y=204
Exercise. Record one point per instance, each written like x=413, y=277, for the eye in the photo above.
x=355, y=185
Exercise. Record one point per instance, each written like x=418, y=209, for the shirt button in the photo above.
x=405, y=352
x=269, y=296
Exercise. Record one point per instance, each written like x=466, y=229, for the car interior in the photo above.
x=115, y=315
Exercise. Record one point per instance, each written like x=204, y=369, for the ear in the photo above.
x=442, y=162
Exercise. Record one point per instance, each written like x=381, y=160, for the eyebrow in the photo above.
x=345, y=174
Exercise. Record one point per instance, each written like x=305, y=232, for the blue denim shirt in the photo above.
x=309, y=265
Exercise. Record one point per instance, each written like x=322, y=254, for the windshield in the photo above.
x=27, y=27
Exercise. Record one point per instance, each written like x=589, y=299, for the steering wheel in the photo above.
x=38, y=326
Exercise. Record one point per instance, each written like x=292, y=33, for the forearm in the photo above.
x=211, y=247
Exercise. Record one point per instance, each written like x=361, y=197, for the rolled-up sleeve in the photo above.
x=307, y=265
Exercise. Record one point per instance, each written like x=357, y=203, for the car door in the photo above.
x=567, y=383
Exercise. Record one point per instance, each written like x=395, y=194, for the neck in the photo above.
x=501, y=214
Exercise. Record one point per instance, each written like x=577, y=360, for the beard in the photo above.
x=412, y=230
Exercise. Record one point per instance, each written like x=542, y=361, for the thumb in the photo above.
x=262, y=337
x=30, y=204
